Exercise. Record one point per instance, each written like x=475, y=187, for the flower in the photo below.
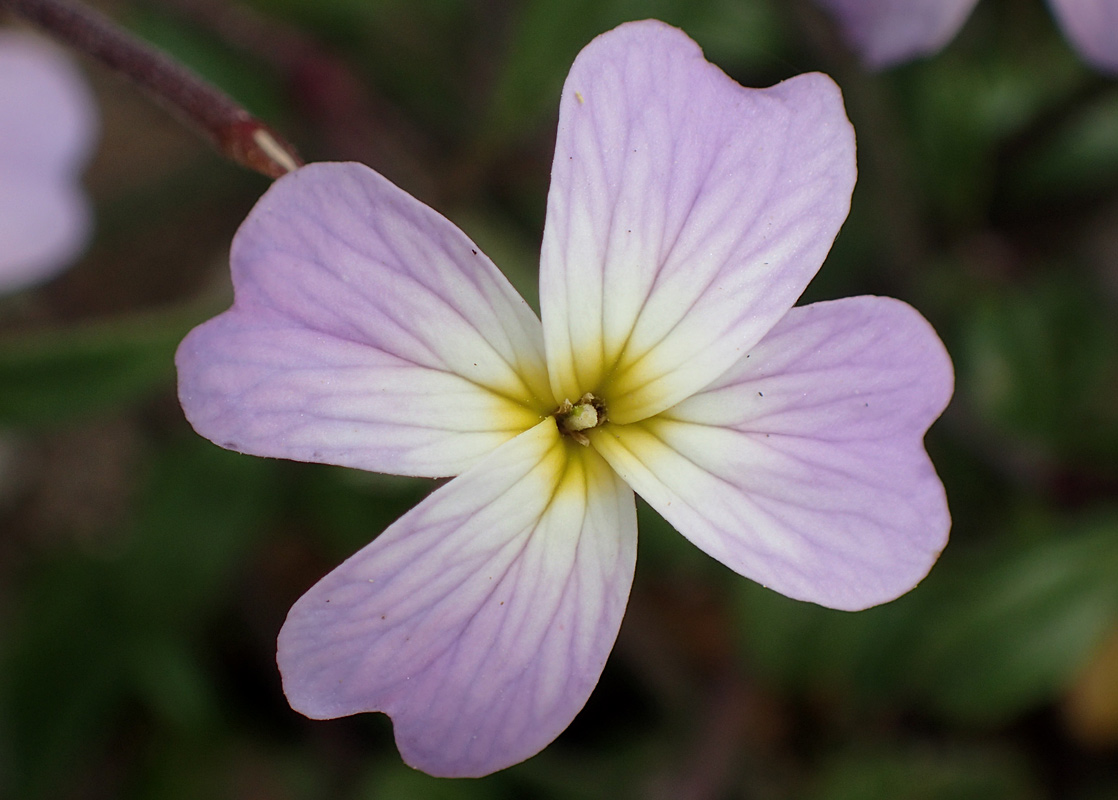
x=686, y=214
x=888, y=32
x=49, y=121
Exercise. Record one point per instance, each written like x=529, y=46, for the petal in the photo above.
x=47, y=113
x=686, y=215
x=49, y=121
x=45, y=224
x=481, y=620
x=367, y=331
x=888, y=32
x=803, y=467
x=1092, y=26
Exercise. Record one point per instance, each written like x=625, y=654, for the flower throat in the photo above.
x=574, y=418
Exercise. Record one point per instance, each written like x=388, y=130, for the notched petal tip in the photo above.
x=686, y=214
x=367, y=331
x=803, y=467
x=481, y=620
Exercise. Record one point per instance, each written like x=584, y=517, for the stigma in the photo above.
x=574, y=418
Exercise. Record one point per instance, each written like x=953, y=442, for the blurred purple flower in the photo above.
x=48, y=123
x=686, y=215
x=888, y=32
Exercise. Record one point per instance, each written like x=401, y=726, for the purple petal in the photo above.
x=1092, y=26
x=367, y=331
x=45, y=224
x=481, y=620
x=803, y=467
x=888, y=32
x=686, y=215
x=47, y=113
x=48, y=121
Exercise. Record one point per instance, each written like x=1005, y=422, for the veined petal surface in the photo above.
x=48, y=124
x=1092, y=26
x=685, y=216
x=803, y=467
x=367, y=331
x=482, y=619
x=889, y=32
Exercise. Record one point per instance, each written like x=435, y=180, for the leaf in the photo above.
x=994, y=631
x=888, y=773
x=1011, y=632
x=1079, y=157
x=1041, y=362
x=238, y=76
x=548, y=34
x=93, y=632
x=61, y=375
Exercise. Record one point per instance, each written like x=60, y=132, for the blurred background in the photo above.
x=144, y=572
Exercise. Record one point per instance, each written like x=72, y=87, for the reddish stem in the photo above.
x=233, y=131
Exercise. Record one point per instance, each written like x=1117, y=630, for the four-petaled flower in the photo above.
x=48, y=122
x=889, y=32
x=686, y=215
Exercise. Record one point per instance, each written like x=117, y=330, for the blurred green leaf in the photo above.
x=993, y=631
x=348, y=508
x=1041, y=361
x=401, y=782
x=805, y=648
x=171, y=680
x=60, y=375
x=963, y=105
x=923, y=774
x=1012, y=629
x=514, y=253
x=1079, y=156
x=226, y=765
x=241, y=77
x=548, y=34
x=414, y=52
x=93, y=632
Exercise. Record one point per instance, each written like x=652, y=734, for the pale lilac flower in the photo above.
x=889, y=32
x=48, y=123
x=1092, y=28
x=686, y=215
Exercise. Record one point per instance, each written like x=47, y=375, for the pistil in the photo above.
x=574, y=418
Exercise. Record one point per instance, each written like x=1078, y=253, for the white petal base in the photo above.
x=482, y=619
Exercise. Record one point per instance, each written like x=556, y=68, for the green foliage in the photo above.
x=413, y=51
x=961, y=108
x=995, y=631
x=549, y=33
x=887, y=773
x=95, y=634
x=246, y=81
x=1040, y=361
x=68, y=373
x=1078, y=156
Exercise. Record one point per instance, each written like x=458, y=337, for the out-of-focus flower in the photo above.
x=48, y=124
x=889, y=32
x=686, y=215
x=1092, y=27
